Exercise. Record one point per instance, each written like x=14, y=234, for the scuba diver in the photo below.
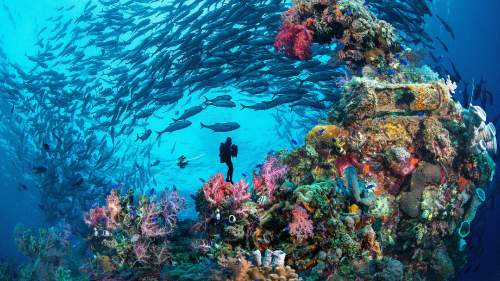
x=182, y=162
x=227, y=150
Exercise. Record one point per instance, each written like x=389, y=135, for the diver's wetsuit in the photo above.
x=225, y=157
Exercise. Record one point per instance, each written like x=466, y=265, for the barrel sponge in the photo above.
x=387, y=269
x=423, y=175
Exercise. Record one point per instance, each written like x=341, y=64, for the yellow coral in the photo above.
x=325, y=133
x=422, y=99
x=393, y=130
x=353, y=208
x=374, y=55
x=319, y=172
x=428, y=96
x=105, y=263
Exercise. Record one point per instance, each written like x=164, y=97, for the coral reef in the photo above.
x=49, y=256
x=132, y=234
x=386, y=189
x=361, y=37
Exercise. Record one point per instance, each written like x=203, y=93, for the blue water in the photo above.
x=259, y=134
x=475, y=52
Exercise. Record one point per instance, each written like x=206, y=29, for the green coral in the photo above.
x=316, y=194
x=381, y=207
x=431, y=204
x=486, y=168
x=63, y=274
x=419, y=231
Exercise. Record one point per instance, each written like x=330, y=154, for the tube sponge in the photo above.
x=462, y=244
x=464, y=229
x=477, y=200
x=353, y=184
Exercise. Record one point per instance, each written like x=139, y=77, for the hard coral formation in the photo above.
x=46, y=251
x=263, y=268
x=361, y=37
x=388, y=188
x=424, y=175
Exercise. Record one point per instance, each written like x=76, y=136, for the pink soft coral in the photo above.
x=215, y=190
x=141, y=251
x=301, y=226
x=171, y=204
x=94, y=216
x=238, y=195
x=239, y=192
x=295, y=39
x=271, y=173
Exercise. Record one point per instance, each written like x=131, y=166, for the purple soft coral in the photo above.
x=141, y=251
x=272, y=172
x=149, y=227
x=171, y=204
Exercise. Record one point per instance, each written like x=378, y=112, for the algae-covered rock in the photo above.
x=387, y=269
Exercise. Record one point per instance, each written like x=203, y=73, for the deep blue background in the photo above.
x=476, y=53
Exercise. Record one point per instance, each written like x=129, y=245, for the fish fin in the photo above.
x=244, y=106
x=203, y=125
x=159, y=134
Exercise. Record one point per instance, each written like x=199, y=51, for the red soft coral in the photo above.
x=94, y=216
x=215, y=190
x=301, y=226
x=295, y=39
